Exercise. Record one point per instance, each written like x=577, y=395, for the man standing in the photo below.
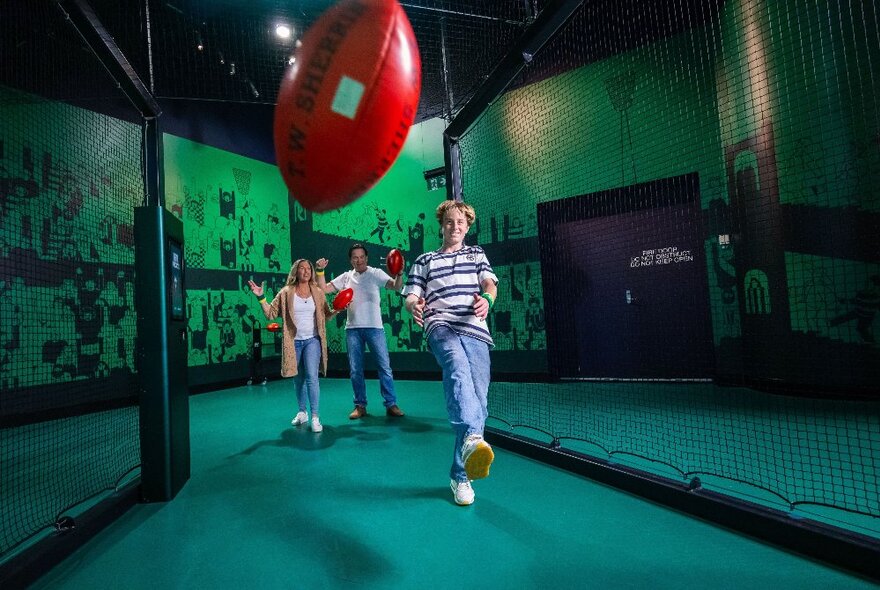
x=363, y=325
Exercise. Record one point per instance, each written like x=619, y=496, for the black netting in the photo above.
x=228, y=51
x=678, y=197
x=70, y=177
x=681, y=194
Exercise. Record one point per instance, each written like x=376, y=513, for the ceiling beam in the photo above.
x=546, y=25
x=87, y=24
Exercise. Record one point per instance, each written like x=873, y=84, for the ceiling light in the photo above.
x=283, y=31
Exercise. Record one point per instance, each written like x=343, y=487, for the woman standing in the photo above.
x=302, y=306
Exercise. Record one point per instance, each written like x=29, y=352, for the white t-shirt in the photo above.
x=365, y=310
x=303, y=316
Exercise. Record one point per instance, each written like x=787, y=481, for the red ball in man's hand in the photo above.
x=394, y=262
x=342, y=299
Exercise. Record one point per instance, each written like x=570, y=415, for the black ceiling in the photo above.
x=44, y=55
x=476, y=33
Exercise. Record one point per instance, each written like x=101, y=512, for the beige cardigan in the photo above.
x=280, y=307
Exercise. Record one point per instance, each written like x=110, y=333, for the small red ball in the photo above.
x=342, y=299
x=394, y=262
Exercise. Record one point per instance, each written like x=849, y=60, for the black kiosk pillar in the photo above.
x=161, y=353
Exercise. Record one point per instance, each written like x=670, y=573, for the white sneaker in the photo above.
x=462, y=492
x=300, y=418
x=316, y=424
x=477, y=456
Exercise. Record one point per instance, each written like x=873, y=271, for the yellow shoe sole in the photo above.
x=478, y=463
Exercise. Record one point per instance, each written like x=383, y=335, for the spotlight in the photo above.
x=253, y=88
x=199, y=44
x=283, y=31
x=291, y=60
x=222, y=59
x=232, y=68
x=299, y=43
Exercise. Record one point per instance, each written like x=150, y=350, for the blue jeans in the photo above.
x=465, y=364
x=356, y=339
x=308, y=356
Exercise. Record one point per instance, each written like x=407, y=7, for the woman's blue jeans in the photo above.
x=308, y=357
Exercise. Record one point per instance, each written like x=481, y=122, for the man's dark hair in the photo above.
x=358, y=247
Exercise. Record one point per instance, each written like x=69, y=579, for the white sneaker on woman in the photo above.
x=316, y=424
x=300, y=418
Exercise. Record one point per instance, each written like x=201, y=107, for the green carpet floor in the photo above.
x=367, y=504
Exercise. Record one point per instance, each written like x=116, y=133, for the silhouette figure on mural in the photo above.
x=381, y=225
x=867, y=303
x=535, y=315
x=270, y=254
x=756, y=298
x=417, y=235
x=726, y=281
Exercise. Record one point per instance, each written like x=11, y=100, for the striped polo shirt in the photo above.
x=448, y=282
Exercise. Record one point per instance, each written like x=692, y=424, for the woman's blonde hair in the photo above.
x=469, y=214
x=291, y=277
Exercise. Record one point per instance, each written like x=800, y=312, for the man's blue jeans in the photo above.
x=308, y=357
x=465, y=364
x=357, y=339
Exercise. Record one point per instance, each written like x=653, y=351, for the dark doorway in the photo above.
x=626, y=283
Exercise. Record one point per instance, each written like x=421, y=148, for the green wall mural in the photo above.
x=69, y=181
x=397, y=213
x=239, y=223
x=236, y=221
x=235, y=209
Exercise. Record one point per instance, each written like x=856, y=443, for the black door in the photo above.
x=634, y=303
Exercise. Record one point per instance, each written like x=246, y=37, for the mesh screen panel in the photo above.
x=702, y=175
x=815, y=456
x=70, y=177
x=228, y=51
x=684, y=193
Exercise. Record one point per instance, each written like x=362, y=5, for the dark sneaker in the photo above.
x=394, y=411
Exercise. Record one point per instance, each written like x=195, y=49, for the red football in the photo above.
x=394, y=262
x=274, y=327
x=346, y=105
x=342, y=299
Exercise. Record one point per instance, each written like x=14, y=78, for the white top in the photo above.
x=303, y=316
x=448, y=282
x=365, y=310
